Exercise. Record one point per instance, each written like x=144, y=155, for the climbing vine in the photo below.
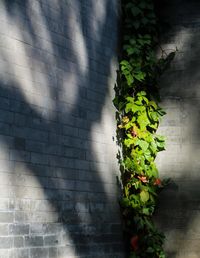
x=138, y=115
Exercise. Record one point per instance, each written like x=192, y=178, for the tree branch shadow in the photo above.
x=178, y=210
x=49, y=135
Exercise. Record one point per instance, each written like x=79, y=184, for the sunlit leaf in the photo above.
x=143, y=145
x=144, y=196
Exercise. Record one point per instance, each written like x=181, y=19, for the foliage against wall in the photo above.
x=138, y=119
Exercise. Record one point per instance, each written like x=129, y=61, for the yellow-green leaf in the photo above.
x=144, y=196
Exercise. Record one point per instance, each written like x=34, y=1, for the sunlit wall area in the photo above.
x=58, y=166
x=179, y=212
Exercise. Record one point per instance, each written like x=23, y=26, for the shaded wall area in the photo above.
x=179, y=211
x=58, y=192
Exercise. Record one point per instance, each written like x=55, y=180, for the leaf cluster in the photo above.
x=139, y=115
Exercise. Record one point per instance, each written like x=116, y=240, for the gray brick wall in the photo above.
x=179, y=212
x=58, y=167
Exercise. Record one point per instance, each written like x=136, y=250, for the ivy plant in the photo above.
x=139, y=115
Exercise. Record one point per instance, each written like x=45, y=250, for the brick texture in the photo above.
x=58, y=167
x=179, y=211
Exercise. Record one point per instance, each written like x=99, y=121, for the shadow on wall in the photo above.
x=178, y=214
x=56, y=63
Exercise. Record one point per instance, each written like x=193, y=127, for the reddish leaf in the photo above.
x=158, y=182
x=134, y=243
x=143, y=179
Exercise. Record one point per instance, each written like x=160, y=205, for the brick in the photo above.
x=21, y=217
x=70, y=130
x=18, y=242
x=53, y=251
x=21, y=109
x=6, y=242
x=4, y=229
x=4, y=193
x=33, y=241
x=39, y=158
x=41, y=217
x=19, y=204
x=20, y=253
x=61, y=162
x=97, y=207
x=5, y=128
x=68, y=251
x=65, y=173
x=19, y=119
x=6, y=116
x=53, y=228
x=6, y=217
x=18, y=229
x=43, y=205
x=19, y=155
x=5, y=253
x=34, y=146
x=32, y=134
x=82, y=207
x=62, y=184
x=82, y=164
x=38, y=253
x=66, y=208
x=83, y=186
x=84, y=175
x=4, y=203
x=4, y=103
x=53, y=149
x=19, y=143
x=53, y=240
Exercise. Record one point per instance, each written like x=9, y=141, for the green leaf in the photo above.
x=135, y=10
x=153, y=104
x=124, y=62
x=126, y=70
x=145, y=211
x=153, y=147
x=142, y=93
x=145, y=99
x=133, y=255
x=129, y=142
x=147, y=155
x=130, y=99
x=130, y=79
x=161, y=112
x=137, y=185
x=134, y=108
x=161, y=145
x=139, y=76
x=131, y=50
x=149, y=223
x=144, y=196
x=153, y=126
x=152, y=171
x=160, y=138
x=125, y=202
x=143, y=145
x=150, y=250
x=143, y=121
x=128, y=163
x=154, y=116
x=150, y=6
x=143, y=4
x=136, y=24
x=145, y=20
